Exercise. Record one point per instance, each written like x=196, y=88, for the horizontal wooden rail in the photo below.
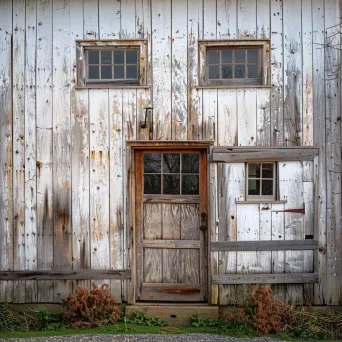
x=171, y=243
x=65, y=275
x=246, y=154
x=275, y=245
x=282, y=278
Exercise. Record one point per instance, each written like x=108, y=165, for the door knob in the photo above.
x=203, y=228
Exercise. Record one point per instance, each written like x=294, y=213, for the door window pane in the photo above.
x=190, y=163
x=171, y=185
x=106, y=57
x=227, y=71
x=240, y=56
x=240, y=71
x=106, y=72
x=131, y=57
x=119, y=72
x=254, y=170
x=190, y=184
x=252, y=56
x=152, y=163
x=94, y=72
x=131, y=71
x=213, y=56
x=267, y=187
x=119, y=57
x=93, y=57
x=171, y=163
x=214, y=71
x=227, y=56
x=252, y=71
x=267, y=170
x=254, y=187
x=152, y=184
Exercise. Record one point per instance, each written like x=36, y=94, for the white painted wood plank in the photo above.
x=246, y=112
x=209, y=19
x=333, y=150
x=91, y=19
x=226, y=19
x=44, y=148
x=19, y=145
x=230, y=176
x=6, y=144
x=179, y=70
x=195, y=32
x=161, y=61
x=246, y=18
x=79, y=156
x=263, y=19
x=263, y=137
x=99, y=178
x=227, y=130
x=293, y=115
x=116, y=189
x=30, y=148
x=248, y=227
x=309, y=223
x=307, y=73
x=209, y=114
x=319, y=141
x=109, y=19
x=291, y=188
x=128, y=24
x=62, y=146
x=264, y=259
x=278, y=258
x=277, y=110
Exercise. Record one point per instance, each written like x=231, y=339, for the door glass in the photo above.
x=171, y=173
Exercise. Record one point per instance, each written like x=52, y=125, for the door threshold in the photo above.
x=171, y=304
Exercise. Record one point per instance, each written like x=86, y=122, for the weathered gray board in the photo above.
x=64, y=160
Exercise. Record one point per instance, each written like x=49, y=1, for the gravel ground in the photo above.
x=141, y=338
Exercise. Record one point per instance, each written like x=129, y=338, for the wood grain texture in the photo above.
x=195, y=32
x=44, y=143
x=61, y=145
x=18, y=104
x=6, y=145
x=161, y=60
x=333, y=152
x=293, y=112
x=246, y=18
x=277, y=77
x=30, y=148
x=226, y=19
x=263, y=9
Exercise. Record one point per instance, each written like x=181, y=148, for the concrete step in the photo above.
x=174, y=314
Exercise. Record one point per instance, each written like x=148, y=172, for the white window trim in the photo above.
x=257, y=43
x=82, y=45
x=275, y=183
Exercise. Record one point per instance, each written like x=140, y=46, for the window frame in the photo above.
x=275, y=182
x=82, y=46
x=264, y=58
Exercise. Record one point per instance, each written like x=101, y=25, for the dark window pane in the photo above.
x=252, y=71
x=227, y=71
x=152, y=184
x=213, y=57
x=213, y=71
x=190, y=185
x=240, y=56
x=267, y=170
x=253, y=187
x=227, y=56
x=93, y=72
x=254, y=170
x=190, y=163
x=131, y=71
x=93, y=57
x=239, y=71
x=171, y=185
x=171, y=163
x=267, y=187
x=119, y=72
x=131, y=57
x=106, y=57
x=106, y=72
x=119, y=57
x=152, y=163
x=252, y=56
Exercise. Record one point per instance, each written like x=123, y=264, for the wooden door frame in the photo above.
x=132, y=147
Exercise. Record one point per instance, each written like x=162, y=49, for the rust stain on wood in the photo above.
x=293, y=211
x=180, y=290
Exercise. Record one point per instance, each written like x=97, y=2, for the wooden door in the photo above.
x=171, y=225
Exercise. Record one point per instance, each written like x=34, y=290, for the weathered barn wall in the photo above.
x=64, y=169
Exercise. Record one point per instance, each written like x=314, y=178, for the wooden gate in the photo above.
x=171, y=225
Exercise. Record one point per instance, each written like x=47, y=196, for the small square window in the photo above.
x=234, y=63
x=261, y=181
x=102, y=64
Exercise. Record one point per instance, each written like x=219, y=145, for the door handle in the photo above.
x=203, y=226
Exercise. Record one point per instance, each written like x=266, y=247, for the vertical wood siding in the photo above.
x=65, y=166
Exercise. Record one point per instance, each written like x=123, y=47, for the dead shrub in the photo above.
x=86, y=309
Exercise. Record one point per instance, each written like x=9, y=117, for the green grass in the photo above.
x=122, y=328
